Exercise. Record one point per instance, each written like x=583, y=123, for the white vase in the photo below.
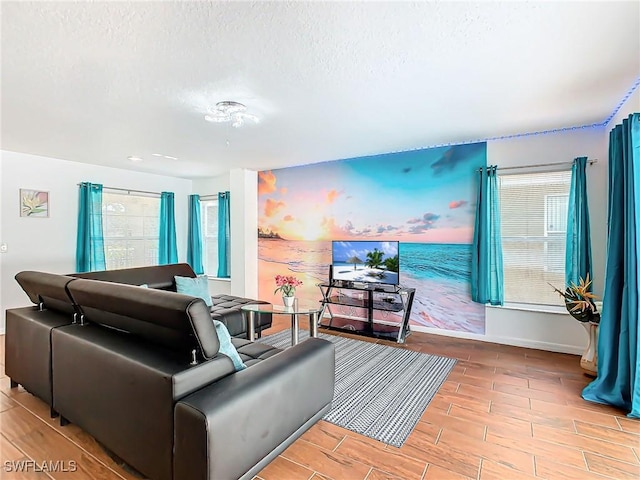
x=589, y=360
x=288, y=301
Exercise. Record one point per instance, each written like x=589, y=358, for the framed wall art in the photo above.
x=34, y=203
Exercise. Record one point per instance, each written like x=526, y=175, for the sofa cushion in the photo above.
x=226, y=347
x=227, y=309
x=196, y=287
x=253, y=352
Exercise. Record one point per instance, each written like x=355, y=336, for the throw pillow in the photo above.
x=226, y=347
x=196, y=287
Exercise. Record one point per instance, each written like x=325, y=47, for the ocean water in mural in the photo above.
x=423, y=199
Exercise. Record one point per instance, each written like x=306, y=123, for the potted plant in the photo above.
x=581, y=305
x=579, y=301
x=287, y=285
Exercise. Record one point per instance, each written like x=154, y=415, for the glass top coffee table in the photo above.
x=295, y=311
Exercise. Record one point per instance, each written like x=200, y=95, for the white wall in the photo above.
x=1, y=253
x=212, y=185
x=49, y=244
x=244, y=233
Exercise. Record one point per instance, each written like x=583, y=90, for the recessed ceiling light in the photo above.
x=165, y=156
x=134, y=159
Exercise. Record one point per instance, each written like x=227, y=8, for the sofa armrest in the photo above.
x=234, y=427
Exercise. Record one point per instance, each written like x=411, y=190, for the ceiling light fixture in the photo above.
x=229, y=111
x=134, y=159
x=164, y=156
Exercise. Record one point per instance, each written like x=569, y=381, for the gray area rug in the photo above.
x=380, y=391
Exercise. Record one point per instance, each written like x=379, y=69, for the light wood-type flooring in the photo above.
x=505, y=413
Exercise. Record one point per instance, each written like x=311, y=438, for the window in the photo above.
x=131, y=229
x=555, y=214
x=533, y=209
x=209, y=216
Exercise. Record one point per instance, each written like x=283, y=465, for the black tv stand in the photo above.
x=374, y=310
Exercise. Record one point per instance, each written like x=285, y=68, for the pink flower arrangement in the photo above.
x=287, y=285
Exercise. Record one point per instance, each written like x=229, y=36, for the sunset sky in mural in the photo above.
x=361, y=198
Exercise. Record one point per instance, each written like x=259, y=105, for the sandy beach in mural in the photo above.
x=442, y=297
x=307, y=294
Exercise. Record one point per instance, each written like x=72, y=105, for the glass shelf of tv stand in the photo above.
x=391, y=305
x=359, y=310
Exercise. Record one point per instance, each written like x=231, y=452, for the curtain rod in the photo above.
x=590, y=162
x=213, y=195
x=129, y=190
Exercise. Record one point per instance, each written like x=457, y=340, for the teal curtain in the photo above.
x=90, y=240
x=618, y=380
x=194, y=240
x=167, y=248
x=487, y=282
x=224, y=229
x=578, y=246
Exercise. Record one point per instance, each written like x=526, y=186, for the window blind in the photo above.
x=131, y=226
x=533, y=209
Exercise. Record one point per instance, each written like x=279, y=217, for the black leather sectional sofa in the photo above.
x=139, y=369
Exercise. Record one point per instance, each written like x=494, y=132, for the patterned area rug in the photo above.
x=381, y=391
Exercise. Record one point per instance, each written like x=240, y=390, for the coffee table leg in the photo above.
x=294, y=329
x=313, y=324
x=251, y=327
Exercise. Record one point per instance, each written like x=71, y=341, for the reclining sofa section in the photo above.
x=226, y=308
x=127, y=376
x=28, y=331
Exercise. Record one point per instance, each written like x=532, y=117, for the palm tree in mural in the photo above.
x=374, y=259
x=355, y=261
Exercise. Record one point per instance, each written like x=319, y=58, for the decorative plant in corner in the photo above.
x=579, y=301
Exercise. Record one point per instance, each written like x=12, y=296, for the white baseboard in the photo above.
x=516, y=342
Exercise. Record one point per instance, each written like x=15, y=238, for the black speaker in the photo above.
x=330, y=274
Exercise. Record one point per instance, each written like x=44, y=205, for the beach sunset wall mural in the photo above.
x=424, y=199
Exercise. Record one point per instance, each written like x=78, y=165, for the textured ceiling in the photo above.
x=97, y=82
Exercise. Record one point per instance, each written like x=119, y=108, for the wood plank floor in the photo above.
x=505, y=413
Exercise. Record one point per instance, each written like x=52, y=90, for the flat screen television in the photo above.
x=365, y=261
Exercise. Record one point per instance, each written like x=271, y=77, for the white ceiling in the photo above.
x=97, y=82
